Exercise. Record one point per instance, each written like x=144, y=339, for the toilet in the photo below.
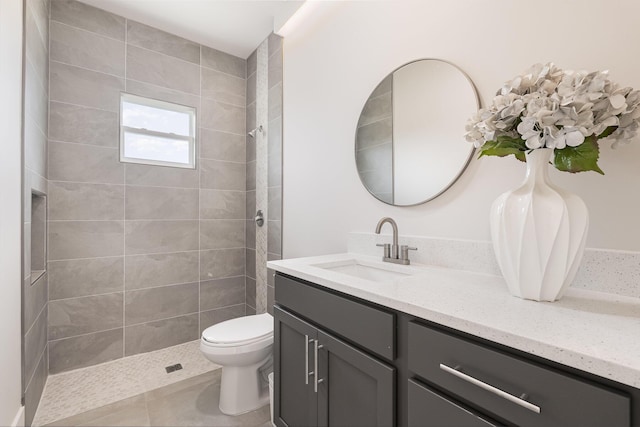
x=243, y=347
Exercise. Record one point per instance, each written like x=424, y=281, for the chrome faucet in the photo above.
x=391, y=250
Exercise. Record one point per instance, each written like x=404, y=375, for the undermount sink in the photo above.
x=369, y=270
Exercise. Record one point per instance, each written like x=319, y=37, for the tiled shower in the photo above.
x=143, y=257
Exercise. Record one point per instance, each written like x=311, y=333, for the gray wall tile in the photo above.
x=251, y=124
x=161, y=176
x=146, y=271
x=274, y=171
x=35, y=298
x=37, y=47
x=221, y=61
x=216, y=264
x=222, y=293
x=270, y=299
x=376, y=109
x=251, y=88
x=275, y=102
x=83, y=125
x=222, y=145
x=224, y=117
x=87, y=50
x=274, y=237
x=85, y=277
x=251, y=292
x=85, y=239
x=34, y=389
x=40, y=11
x=84, y=163
x=376, y=133
x=222, y=204
x=251, y=205
x=163, y=94
x=76, y=201
x=251, y=149
x=223, y=87
x=35, y=340
x=162, y=70
x=275, y=44
x=384, y=87
x=275, y=137
x=88, y=17
x=249, y=311
x=274, y=73
x=252, y=62
x=161, y=203
x=84, y=87
x=35, y=147
x=275, y=203
x=376, y=158
x=251, y=263
x=151, y=38
x=213, y=317
x=250, y=183
x=35, y=98
x=221, y=175
x=85, y=350
x=160, y=334
x=147, y=237
x=160, y=303
x=222, y=233
x=78, y=316
x=250, y=233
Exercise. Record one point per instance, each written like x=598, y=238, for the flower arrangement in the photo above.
x=568, y=111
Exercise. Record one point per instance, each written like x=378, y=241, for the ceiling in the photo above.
x=233, y=26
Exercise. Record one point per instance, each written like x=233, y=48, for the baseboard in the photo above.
x=18, y=421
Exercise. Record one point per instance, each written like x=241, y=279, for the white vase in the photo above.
x=539, y=232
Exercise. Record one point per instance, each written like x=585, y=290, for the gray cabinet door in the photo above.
x=355, y=389
x=429, y=409
x=295, y=402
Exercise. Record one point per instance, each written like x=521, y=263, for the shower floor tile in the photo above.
x=76, y=392
x=190, y=402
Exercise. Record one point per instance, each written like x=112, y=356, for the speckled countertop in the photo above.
x=591, y=331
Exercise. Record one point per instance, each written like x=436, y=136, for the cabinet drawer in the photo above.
x=497, y=381
x=362, y=324
x=429, y=409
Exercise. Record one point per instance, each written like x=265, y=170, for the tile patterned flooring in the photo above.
x=127, y=384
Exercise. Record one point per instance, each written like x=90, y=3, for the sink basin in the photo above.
x=369, y=270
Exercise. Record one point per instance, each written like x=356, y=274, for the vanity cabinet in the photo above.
x=378, y=367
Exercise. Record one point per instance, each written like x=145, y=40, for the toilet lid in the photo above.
x=241, y=329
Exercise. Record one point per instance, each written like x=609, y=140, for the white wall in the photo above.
x=331, y=65
x=10, y=211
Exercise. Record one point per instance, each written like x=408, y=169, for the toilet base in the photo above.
x=242, y=389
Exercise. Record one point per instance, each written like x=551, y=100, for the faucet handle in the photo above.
x=387, y=249
x=404, y=251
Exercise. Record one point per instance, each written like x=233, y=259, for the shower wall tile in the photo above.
x=161, y=176
x=376, y=109
x=213, y=317
x=275, y=44
x=85, y=277
x=216, y=264
x=147, y=305
x=35, y=98
x=249, y=310
x=85, y=350
x=163, y=94
x=83, y=125
x=223, y=117
x=161, y=203
x=251, y=205
x=160, y=41
x=78, y=316
x=252, y=62
x=224, y=62
x=250, y=233
x=251, y=263
x=251, y=124
x=84, y=163
x=275, y=137
x=78, y=201
x=251, y=88
x=222, y=145
x=35, y=146
x=78, y=86
x=162, y=70
x=219, y=175
x=88, y=18
x=274, y=72
x=147, y=271
x=222, y=234
x=222, y=293
x=274, y=171
x=36, y=44
x=222, y=204
x=275, y=101
x=148, y=237
x=35, y=341
x=376, y=133
x=274, y=237
x=88, y=50
x=275, y=203
x=85, y=239
x=251, y=292
x=250, y=184
x=35, y=299
x=160, y=334
x=223, y=87
x=35, y=387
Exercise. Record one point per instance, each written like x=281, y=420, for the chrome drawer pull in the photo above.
x=306, y=359
x=317, y=381
x=518, y=401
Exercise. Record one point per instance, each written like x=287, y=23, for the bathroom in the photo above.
x=141, y=259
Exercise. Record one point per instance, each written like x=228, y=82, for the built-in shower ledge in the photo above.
x=74, y=392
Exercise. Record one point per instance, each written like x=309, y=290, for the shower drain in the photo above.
x=173, y=368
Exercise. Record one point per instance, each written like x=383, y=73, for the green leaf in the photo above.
x=608, y=131
x=504, y=146
x=582, y=158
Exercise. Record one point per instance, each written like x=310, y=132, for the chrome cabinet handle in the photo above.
x=307, y=374
x=518, y=401
x=317, y=381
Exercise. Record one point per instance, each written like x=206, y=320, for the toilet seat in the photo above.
x=240, y=334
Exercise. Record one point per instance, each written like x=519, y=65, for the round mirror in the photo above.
x=410, y=146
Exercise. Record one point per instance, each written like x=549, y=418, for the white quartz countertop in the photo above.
x=591, y=331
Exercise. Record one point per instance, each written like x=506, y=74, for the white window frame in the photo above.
x=169, y=106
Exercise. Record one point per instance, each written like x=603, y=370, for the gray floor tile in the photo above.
x=127, y=412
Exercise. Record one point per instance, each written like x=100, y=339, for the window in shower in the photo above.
x=155, y=132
